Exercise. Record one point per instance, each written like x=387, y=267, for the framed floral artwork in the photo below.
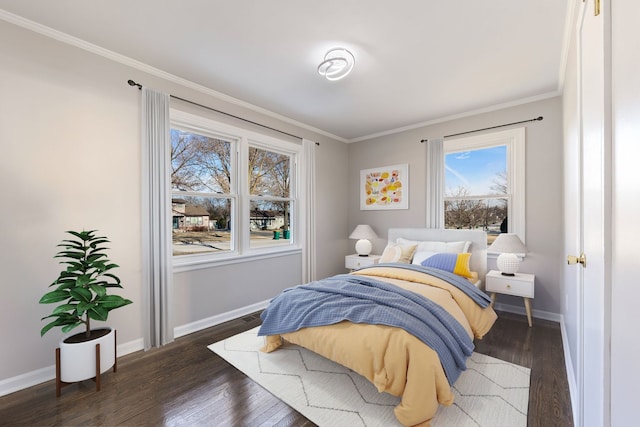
x=386, y=187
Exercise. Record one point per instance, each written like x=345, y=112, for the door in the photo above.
x=593, y=358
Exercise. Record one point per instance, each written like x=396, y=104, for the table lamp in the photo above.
x=364, y=234
x=508, y=245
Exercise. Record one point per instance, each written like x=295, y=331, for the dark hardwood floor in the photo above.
x=540, y=349
x=185, y=384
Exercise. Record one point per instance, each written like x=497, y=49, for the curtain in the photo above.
x=435, y=183
x=307, y=217
x=156, y=219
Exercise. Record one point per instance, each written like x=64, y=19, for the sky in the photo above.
x=475, y=170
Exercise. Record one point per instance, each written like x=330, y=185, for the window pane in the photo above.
x=269, y=173
x=478, y=172
x=200, y=225
x=489, y=215
x=200, y=163
x=270, y=221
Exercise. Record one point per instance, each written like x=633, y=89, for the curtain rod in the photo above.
x=537, y=119
x=139, y=86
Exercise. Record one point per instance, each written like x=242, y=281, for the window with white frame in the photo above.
x=484, y=183
x=233, y=191
x=271, y=204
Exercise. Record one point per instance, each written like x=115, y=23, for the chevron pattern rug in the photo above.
x=490, y=392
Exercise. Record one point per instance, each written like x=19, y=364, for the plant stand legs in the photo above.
x=60, y=384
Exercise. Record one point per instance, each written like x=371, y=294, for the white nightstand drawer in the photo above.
x=353, y=262
x=518, y=285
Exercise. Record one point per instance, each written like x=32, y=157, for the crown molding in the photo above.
x=125, y=60
x=458, y=116
x=130, y=62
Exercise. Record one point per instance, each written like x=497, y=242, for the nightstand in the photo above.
x=521, y=285
x=355, y=261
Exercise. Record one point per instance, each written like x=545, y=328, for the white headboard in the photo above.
x=477, y=238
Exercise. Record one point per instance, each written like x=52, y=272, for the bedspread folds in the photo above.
x=394, y=360
x=480, y=320
x=362, y=299
x=451, y=279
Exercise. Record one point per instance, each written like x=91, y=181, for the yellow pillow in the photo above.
x=398, y=253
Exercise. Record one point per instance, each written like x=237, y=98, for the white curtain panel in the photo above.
x=308, y=217
x=156, y=218
x=435, y=183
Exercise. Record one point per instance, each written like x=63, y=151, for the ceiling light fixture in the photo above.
x=337, y=64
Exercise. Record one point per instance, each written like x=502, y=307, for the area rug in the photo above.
x=490, y=392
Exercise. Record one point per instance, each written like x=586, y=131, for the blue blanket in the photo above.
x=478, y=296
x=361, y=299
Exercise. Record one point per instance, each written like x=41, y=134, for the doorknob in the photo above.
x=582, y=259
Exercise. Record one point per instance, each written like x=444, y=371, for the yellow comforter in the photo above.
x=392, y=359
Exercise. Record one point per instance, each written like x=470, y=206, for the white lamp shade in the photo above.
x=508, y=243
x=363, y=231
x=364, y=234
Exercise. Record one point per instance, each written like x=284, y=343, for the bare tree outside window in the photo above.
x=201, y=185
x=203, y=197
x=269, y=188
x=477, y=194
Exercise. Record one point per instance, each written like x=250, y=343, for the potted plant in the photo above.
x=81, y=291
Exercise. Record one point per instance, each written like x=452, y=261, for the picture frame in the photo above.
x=385, y=187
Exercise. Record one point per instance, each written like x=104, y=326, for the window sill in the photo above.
x=181, y=265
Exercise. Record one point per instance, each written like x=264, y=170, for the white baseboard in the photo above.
x=130, y=347
x=545, y=315
x=189, y=328
x=19, y=382
x=571, y=375
x=39, y=376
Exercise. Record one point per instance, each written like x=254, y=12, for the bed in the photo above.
x=406, y=324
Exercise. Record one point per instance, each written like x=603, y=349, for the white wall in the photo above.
x=544, y=205
x=70, y=160
x=70, y=130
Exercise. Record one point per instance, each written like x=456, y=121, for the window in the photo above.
x=233, y=191
x=269, y=195
x=484, y=183
x=202, y=200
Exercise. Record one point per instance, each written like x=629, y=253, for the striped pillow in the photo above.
x=453, y=263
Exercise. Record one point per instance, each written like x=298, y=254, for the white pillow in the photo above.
x=420, y=256
x=425, y=249
x=395, y=252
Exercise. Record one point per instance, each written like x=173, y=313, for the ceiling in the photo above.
x=417, y=61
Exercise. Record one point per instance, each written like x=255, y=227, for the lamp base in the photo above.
x=363, y=247
x=508, y=264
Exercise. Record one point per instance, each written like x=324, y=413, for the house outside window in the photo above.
x=233, y=192
x=484, y=183
x=269, y=194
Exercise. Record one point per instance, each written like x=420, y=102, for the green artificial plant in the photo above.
x=82, y=287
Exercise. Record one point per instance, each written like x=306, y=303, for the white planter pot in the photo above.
x=78, y=360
